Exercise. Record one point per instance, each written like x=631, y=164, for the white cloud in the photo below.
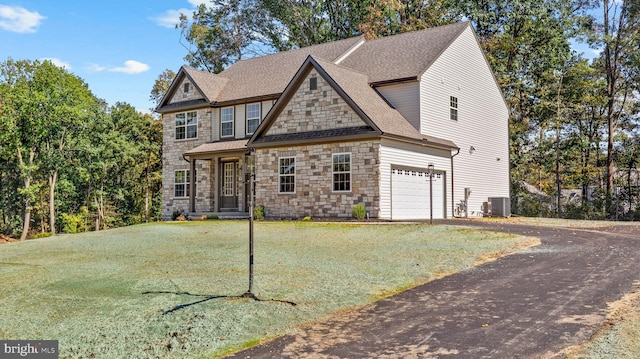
x=171, y=18
x=197, y=3
x=57, y=62
x=18, y=19
x=131, y=67
x=92, y=68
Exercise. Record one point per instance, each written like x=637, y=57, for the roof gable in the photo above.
x=303, y=113
x=403, y=56
x=204, y=87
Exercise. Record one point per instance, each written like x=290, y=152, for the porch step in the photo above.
x=221, y=215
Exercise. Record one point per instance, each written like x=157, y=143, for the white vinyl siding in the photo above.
x=240, y=121
x=462, y=72
x=405, y=98
x=394, y=154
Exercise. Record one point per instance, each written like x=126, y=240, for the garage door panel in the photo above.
x=410, y=194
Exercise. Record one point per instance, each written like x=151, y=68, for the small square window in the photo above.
x=313, y=83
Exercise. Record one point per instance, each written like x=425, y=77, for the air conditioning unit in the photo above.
x=500, y=206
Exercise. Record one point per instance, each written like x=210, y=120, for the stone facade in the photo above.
x=191, y=94
x=172, y=161
x=315, y=110
x=314, y=195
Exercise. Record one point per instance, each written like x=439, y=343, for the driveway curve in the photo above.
x=532, y=304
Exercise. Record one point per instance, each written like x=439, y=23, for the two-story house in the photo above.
x=349, y=122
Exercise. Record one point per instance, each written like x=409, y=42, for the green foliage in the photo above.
x=358, y=211
x=75, y=223
x=211, y=216
x=61, y=148
x=258, y=212
x=175, y=214
x=306, y=218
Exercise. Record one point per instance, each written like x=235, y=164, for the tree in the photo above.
x=619, y=38
x=161, y=86
x=222, y=34
x=44, y=107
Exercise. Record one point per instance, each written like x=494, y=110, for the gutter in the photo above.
x=453, y=211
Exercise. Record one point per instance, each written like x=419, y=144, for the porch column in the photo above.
x=192, y=185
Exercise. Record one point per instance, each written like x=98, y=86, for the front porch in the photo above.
x=217, y=174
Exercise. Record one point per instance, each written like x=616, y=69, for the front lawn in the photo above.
x=172, y=290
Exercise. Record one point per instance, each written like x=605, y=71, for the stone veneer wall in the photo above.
x=314, y=194
x=314, y=110
x=172, y=160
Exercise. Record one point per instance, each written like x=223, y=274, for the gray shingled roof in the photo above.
x=402, y=56
x=223, y=146
x=269, y=75
x=209, y=84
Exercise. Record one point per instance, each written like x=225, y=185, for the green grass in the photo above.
x=127, y=293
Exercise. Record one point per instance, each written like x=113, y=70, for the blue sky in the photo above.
x=118, y=47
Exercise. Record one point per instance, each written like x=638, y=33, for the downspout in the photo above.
x=453, y=208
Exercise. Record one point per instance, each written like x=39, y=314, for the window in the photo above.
x=342, y=172
x=186, y=125
x=181, y=184
x=287, y=174
x=253, y=117
x=313, y=83
x=226, y=122
x=453, y=108
x=186, y=87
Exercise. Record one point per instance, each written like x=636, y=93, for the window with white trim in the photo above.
x=226, y=121
x=287, y=175
x=253, y=117
x=181, y=183
x=342, y=172
x=186, y=125
x=453, y=108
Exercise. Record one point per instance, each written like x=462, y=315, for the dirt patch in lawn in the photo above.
x=617, y=336
x=4, y=239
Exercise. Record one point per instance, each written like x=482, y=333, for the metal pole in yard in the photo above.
x=251, y=169
x=430, y=171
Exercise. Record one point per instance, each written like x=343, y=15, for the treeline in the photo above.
x=68, y=161
x=574, y=120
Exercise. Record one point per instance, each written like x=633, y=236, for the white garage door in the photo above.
x=410, y=194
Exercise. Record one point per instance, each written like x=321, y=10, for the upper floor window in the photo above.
x=453, y=108
x=313, y=83
x=186, y=125
x=287, y=175
x=186, y=87
x=342, y=172
x=226, y=122
x=253, y=117
x=181, y=183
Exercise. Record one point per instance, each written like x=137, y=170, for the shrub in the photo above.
x=41, y=235
x=75, y=223
x=358, y=211
x=306, y=218
x=212, y=216
x=175, y=214
x=258, y=212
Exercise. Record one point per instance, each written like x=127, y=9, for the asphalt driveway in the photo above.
x=532, y=304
